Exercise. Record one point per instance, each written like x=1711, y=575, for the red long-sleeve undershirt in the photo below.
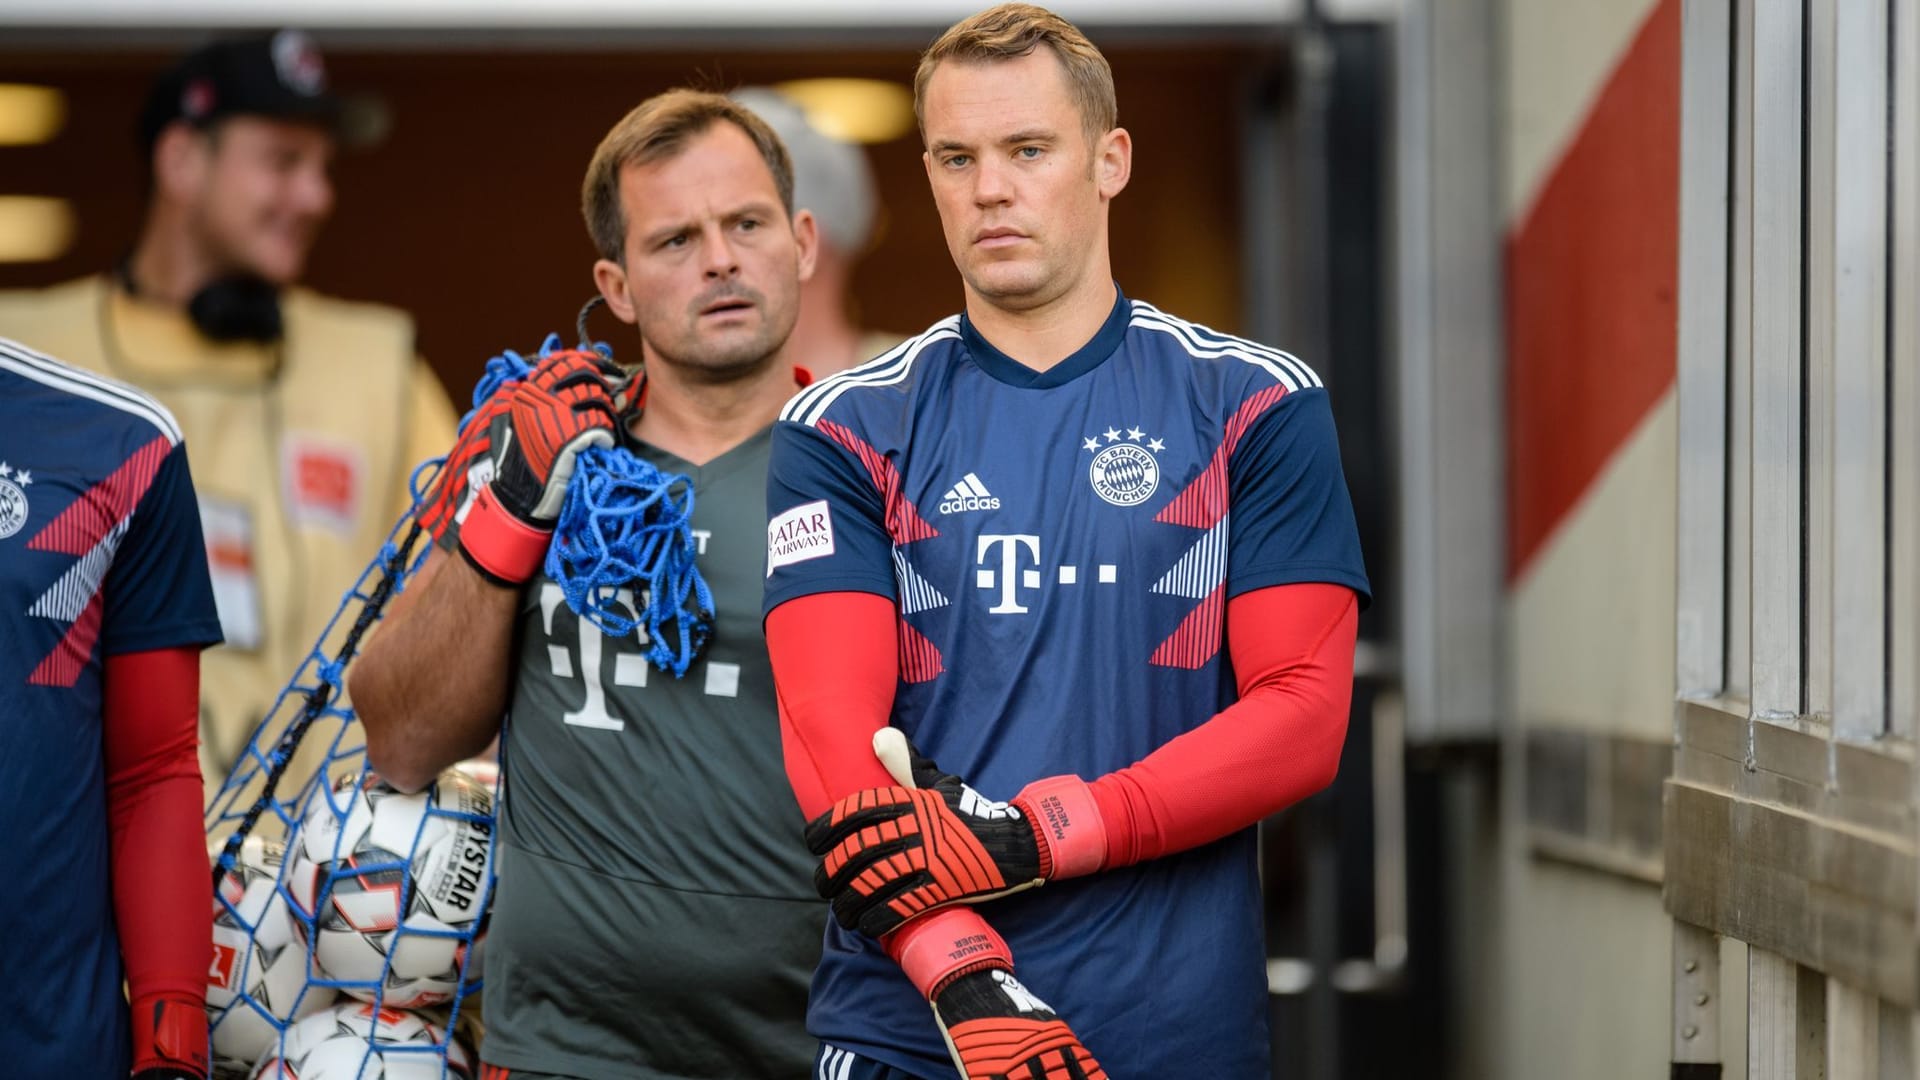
x=836, y=665
x=161, y=887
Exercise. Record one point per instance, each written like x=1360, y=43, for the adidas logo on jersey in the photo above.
x=968, y=494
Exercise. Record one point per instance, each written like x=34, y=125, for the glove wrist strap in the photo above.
x=937, y=948
x=504, y=548
x=169, y=1032
x=1066, y=824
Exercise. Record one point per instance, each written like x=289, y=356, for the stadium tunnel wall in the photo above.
x=466, y=214
x=1589, y=112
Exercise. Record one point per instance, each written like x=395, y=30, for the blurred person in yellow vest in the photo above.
x=306, y=413
x=831, y=177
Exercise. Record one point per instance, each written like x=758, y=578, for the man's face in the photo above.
x=261, y=196
x=1020, y=188
x=713, y=263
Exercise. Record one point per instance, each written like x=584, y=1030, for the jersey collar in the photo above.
x=1084, y=359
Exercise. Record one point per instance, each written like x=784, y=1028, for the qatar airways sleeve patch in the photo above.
x=802, y=533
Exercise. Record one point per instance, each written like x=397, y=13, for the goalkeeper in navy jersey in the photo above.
x=107, y=605
x=655, y=915
x=1075, y=553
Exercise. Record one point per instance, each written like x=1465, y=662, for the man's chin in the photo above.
x=721, y=361
x=1013, y=287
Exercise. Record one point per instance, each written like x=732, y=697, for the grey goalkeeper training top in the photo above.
x=655, y=913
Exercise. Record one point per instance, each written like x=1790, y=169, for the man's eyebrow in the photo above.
x=1028, y=135
x=662, y=233
x=750, y=208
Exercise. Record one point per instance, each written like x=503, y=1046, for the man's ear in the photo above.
x=806, y=235
x=611, y=279
x=181, y=156
x=1113, y=162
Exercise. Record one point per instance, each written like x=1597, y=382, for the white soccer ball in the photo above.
x=356, y=1041
x=259, y=972
x=394, y=886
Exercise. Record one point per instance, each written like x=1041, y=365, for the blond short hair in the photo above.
x=1010, y=31
x=656, y=130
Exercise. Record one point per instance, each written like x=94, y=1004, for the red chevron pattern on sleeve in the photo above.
x=90, y=528
x=904, y=522
x=919, y=658
x=1197, y=639
x=1204, y=501
x=106, y=504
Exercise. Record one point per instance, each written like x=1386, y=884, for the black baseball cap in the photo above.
x=278, y=75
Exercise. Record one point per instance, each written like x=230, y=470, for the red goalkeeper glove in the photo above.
x=994, y=1028
x=169, y=1037
x=570, y=402
x=469, y=465
x=889, y=854
x=997, y=1030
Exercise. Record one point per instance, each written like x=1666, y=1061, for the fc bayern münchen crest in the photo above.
x=1124, y=471
x=13, y=500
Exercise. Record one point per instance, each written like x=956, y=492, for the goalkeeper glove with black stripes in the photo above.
x=889, y=854
x=571, y=401
x=995, y=1029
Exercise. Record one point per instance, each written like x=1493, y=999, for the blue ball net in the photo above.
x=325, y=925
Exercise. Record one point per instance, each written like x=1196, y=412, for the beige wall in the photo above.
x=1585, y=955
x=1582, y=955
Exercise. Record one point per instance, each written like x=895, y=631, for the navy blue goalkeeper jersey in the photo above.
x=100, y=553
x=1061, y=546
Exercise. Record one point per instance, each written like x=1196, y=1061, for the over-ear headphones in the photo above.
x=237, y=307
x=242, y=307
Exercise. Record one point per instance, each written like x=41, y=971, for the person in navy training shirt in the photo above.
x=1074, y=550
x=105, y=605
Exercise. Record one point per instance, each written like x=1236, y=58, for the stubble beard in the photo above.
x=733, y=359
x=1033, y=286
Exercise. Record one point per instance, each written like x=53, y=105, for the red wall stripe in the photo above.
x=1592, y=279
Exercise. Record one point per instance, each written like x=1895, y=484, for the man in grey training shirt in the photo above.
x=655, y=915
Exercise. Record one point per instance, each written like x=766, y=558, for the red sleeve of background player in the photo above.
x=1292, y=652
x=162, y=890
x=836, y=663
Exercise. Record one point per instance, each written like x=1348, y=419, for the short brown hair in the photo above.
x=1010, y=31
x=656, y=130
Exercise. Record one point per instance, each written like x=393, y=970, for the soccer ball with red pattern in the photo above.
x=258, y=980
x=393, y=888
x=356, y=1041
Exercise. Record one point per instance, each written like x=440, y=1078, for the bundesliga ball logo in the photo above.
x=1124, y=473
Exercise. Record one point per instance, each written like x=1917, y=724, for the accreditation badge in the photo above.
x=232, y=560
x=323, y=482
